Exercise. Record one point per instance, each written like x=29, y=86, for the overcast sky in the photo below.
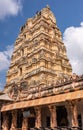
x=69, y=16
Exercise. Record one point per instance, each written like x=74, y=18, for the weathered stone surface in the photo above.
x=40, y=76
x=38, y=50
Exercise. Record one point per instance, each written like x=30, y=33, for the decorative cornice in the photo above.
x=69, y=85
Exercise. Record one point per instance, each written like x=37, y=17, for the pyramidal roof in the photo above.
x=39, y=57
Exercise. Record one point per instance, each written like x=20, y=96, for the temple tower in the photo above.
x=39, y=55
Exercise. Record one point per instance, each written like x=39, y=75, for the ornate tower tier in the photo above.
x=39, y=55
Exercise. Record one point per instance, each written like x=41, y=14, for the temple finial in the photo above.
x=47, y=6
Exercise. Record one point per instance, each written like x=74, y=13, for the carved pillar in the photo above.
x=74, y=114
x=5, y=123
x=53, y=116
x=14, y=120
x=68, y=114
x=0, y=117
x=82, y=119
x=25, y=123
x=38, y=117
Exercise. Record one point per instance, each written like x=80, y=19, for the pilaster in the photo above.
x=14, y=120
x=74, y=113
x=25, y=123
x=53, y=116
x=5, y=123
x=38, y=117
x=82, y=119
x=67, y=106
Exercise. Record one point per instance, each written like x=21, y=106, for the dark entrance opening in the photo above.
x=31, y=122
x=62, y=116
x=79, y=120
x=1, y=120
x=48, y=121
x=10, y=119
x=20, y=119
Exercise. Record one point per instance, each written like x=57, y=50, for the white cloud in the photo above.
x=9, y=7
x=73, y=39
x=5, y=58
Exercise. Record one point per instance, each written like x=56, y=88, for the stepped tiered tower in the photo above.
x=39, y=55
x=41, y=92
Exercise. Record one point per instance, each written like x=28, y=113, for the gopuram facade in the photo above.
x=44, y=92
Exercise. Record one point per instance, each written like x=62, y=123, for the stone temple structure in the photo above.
x=44, y=92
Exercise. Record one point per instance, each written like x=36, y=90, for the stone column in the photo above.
x=67, y=106
x=82, y=119
x=14, y=120
x=25, y=123
x=53, y=116
x=5, y=123
x=0, y=117
x=38, y=117
x=74, y=114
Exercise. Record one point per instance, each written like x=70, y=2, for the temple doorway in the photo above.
x=48, y=121
x=62, y=116
x=31, y=122
x=10, y=120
